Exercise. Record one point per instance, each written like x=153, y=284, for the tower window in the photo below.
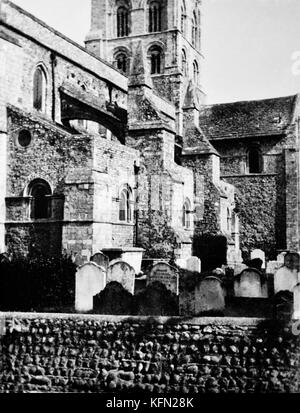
x=126, y=203
x=156, y=60
x=39, y=89
x=186, y=219
x=196, y=72
x=154, y=16
x=40, y=192
x=255, y=162
x=122, y=22
x=122, y=62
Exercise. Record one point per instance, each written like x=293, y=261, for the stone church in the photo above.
x=110, y=146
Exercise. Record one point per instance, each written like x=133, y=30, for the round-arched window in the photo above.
x=40, y=193
x=155, y=53
x=122, y=21
x=39, y=89
x=122, y=62
x=155, y=12
x=186, y=215
x=126, y=205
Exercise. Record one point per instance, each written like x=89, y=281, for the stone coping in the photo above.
x=217, y=321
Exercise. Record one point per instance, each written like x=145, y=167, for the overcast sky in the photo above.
x=248, y=44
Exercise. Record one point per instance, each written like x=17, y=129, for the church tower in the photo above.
x=170, y=34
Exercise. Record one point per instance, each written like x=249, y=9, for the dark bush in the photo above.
x=114, y=300
x=157, y=300
x=37, y=284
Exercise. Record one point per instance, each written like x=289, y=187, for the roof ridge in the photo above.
x=294, y=96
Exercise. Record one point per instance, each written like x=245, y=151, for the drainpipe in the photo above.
x=53, y=65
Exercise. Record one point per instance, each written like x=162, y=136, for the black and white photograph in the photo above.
x=149, y=199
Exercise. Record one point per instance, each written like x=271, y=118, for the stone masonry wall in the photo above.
x=74, y=353
x=261, y=198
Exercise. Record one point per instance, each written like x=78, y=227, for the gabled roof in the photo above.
x=248, y=118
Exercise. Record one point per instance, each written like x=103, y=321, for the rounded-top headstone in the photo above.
x=123, y=273
x=165, y=274
x=209, y=295
x=100, y=259
x=90, y=280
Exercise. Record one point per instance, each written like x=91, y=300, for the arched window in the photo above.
x=186, y=216
x=155, y=12
x=39, y=89
x=122, y=21
x=194, y=30
x=156, y=59
x=255, y=162
x=122, y=62
x=126, y=206
x=196, y=72
x=183, y=62
x=40, y=193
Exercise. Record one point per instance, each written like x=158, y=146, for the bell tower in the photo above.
x=170, y=34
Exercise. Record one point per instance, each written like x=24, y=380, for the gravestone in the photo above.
x=122, y=273
x=249, y=284
x=285, y=279
x=165, y=274
x=259, y=254
x=296, y=314
x=193, y=264
x=90, y=280
x=239, y=268
x=280, y=257
x=273, y=266
x=100, y=259
x=283, y=303
x=209, y=296
x=292, y=261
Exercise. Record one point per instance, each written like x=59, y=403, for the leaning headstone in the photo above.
x=259, y=254
x=100, y=259
x=285, y=279
x=209, y=296
x=90, y=280
x=292, y=261
x=296, y=315
x=122, y=273
x=249, y=284
x=165, y=274
x=193, y=264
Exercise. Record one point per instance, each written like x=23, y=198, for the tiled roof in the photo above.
x=249, y=118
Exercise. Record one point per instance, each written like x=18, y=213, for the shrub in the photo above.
x=37, y=283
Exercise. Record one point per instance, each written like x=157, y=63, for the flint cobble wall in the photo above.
x=74, y=353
